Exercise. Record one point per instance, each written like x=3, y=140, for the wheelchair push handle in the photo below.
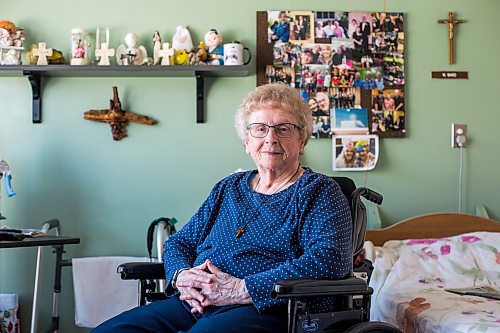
x=370, y=195
x=169, y=224
x=51, y=224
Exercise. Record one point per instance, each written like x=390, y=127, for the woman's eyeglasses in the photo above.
x=284, y=130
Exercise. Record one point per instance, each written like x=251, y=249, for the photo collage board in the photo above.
x=348, y=67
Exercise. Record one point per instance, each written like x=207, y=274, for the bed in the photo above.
x=416, y=259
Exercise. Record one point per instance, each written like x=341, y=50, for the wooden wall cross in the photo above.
x=116, y=117
x=451, y=21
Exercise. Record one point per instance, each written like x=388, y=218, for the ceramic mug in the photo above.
x=233, y=54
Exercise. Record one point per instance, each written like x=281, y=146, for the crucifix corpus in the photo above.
x=451, y=21
x=116, y=117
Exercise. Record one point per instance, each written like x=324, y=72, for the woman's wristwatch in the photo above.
x=176, y=275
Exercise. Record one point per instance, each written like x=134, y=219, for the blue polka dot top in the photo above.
x=304, y=231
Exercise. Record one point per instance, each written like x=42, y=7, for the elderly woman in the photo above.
x=280, y=221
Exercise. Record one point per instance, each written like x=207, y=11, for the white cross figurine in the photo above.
x=165, y=54
x=42, y=52
x=104, y=53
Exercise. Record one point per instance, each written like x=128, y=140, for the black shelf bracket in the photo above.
x=36, y=87
x=200, y=97
x=36, y=76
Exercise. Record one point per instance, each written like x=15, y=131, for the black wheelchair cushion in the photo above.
x=141, y=270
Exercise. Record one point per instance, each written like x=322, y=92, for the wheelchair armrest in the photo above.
x=153, y=297
x=311, y=288
x=141, y=271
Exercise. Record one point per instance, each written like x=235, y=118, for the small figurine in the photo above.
x=11, y=43
x=213, y=40
x=79, y=50
x=7, y=30
x=181, y=57
x=18, y=38
x=156, y=47
x=103, y=54
x=199, y=56
x=42, y=52
x=56, y=58
x=165, y=54
x=129, y=54
x=5, y=39
x=80, y=47
x=10, y=58
x=182, y=39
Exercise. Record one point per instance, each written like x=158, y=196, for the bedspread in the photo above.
x=410, y=277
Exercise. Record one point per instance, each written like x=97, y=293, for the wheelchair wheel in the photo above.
x=373, y=327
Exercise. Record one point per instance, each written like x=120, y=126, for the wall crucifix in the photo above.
x=451, y=21
x=116, y=117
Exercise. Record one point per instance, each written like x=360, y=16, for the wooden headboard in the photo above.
x=432, y=226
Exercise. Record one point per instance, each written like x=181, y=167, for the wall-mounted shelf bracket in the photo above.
x=36, y=87
x=200, y=97
x=37, y=74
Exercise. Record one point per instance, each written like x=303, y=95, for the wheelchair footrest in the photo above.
x=141, y=271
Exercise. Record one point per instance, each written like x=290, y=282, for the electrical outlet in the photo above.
x=459, y=137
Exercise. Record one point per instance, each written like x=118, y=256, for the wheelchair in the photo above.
x=349, y=298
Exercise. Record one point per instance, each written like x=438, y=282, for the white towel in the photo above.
x=8, y=301
x=100, y=293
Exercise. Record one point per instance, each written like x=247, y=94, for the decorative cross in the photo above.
x=451, y=21
x=104, y=53
x=165, y=54
x=42, y=52
x=116, y=117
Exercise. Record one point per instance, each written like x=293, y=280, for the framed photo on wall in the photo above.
x=355, y=152
x=302, y=26
x=356, y=59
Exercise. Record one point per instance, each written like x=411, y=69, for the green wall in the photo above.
x=107, y=192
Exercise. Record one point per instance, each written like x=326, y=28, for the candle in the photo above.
x=97, y=44
x=107, y=36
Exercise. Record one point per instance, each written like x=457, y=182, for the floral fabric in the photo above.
x=9, y=313
x=410, y=277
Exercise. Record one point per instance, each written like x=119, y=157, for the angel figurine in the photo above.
x=130, y=55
